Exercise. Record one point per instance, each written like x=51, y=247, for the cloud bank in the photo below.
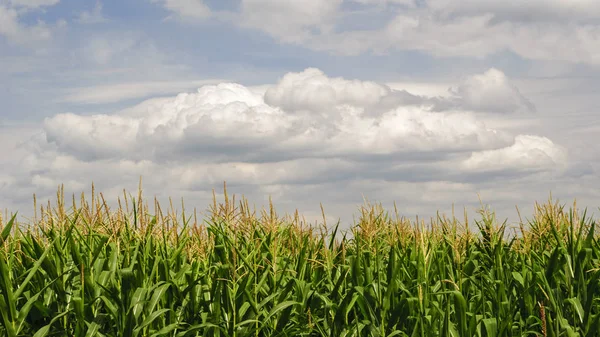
x=306, y=129
x=308, y=132
x=305, y=115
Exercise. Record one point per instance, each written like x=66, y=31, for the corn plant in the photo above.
x=89, y=270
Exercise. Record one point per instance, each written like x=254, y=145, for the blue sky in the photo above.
x=422, y=102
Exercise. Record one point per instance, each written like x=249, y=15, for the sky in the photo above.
x=425, y=103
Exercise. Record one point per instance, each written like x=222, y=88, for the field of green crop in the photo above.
x=84, y=269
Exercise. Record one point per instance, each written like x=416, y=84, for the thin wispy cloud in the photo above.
x=18, y=33
x=93, y=16
x=186, y=9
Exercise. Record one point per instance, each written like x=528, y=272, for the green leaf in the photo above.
x=7, y=228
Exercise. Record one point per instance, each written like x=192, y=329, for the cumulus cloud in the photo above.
x=308, y=131
x=313, y=90
x=528, y=152
x=305, y=115
x=488, y=92
x=92, y=137
x=491, y=92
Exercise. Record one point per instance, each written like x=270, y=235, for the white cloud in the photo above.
x=277, y=140
x=528, y=152
x=192, y=9
x=491, y=92
x=306, y=114
x=268, y=174
x=409, y=3
x=130, y=52
x=103, y=49
x=533, y=10
x=476, y=36
x=93, y=16
x=290, y=20
x=420, y=88
x=552, y=30
x=313, y=90
x=33, y=3
x=93, y=137
x=16, y=32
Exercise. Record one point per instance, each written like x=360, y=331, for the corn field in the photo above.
x=89, y=270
